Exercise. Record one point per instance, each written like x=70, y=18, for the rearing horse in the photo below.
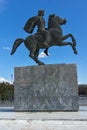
x=54, y=31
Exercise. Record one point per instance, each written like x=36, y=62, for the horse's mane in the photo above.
x=30, y=24
x=49, y=20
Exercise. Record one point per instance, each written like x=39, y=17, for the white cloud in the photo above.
x=6, y=48
x=42, y=55
x=3, y=80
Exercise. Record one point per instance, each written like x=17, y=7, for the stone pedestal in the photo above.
x=46, y=88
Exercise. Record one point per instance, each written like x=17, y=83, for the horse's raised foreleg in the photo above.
x=72, y=37
x=69, y=43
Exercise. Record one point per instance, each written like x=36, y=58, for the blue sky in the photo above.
x=13, y=16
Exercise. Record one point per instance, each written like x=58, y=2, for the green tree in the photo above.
x=6, y=91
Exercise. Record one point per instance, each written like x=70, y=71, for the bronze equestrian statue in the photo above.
x=45, y=37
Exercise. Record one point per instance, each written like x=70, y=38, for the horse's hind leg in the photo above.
x=35, y=57
x=32, y=51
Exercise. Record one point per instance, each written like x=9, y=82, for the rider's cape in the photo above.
x=30, y=24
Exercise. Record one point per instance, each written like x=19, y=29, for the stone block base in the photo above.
x=46, y=88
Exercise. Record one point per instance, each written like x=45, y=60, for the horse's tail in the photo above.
x=17, y=42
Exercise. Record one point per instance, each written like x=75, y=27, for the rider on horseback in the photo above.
x=41, y=28
x=38, y=20
x=53, y=36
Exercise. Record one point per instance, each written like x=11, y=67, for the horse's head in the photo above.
x=54, y=21
x=60, y=20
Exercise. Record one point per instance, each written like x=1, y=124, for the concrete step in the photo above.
x=10, y=120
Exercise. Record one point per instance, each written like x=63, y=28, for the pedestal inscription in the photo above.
x=46, y=88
